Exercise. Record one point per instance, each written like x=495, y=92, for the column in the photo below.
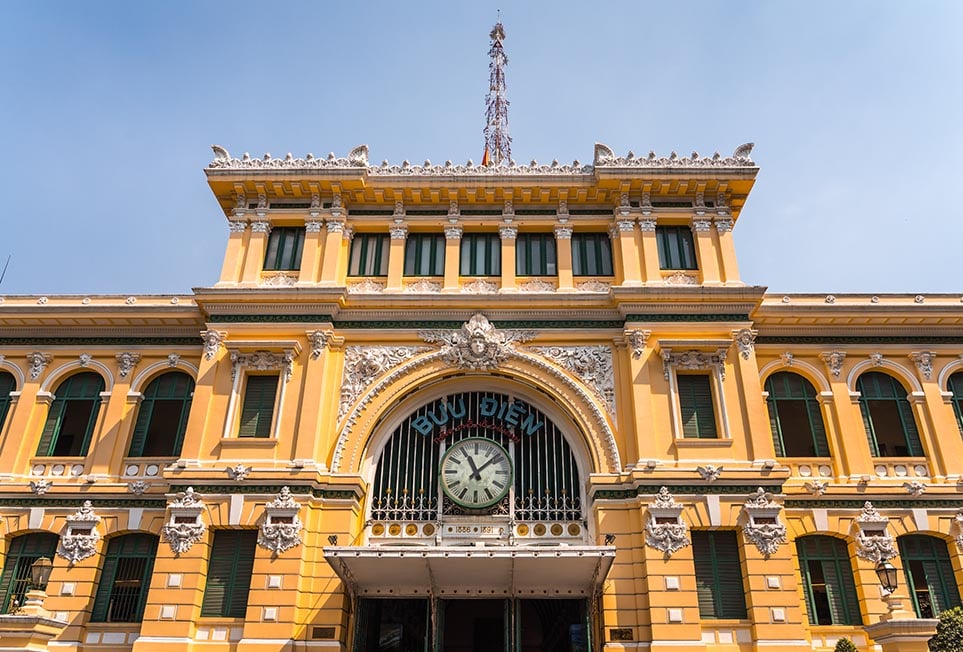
x=331, y=253
x=508, y=234
x=727, y=251
x=629, y=252
x=396, y=256
x=708, y=262
x=651, y=273
x=257, y=245
x=563, y=257
x=453, y=234
x=234, y=255
x=312, y=250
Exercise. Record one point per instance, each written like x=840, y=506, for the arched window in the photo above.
x=828, y=584
x=72, y=415
x=887, y=416
x=162, y=419
x=794, y=416
x=929, y=574
x=23, y=551
x=7, y=384
x=125, y=578
x=955, y=386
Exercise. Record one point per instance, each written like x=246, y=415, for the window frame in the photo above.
x=271, y=431
x=107, y=584
x=671, y=253
x=942, y=578
x=703, y=356
x=525, y=244
x=277, y=240
x=956, y=396
x=6, y=397
x=907, y=419
x=684, y=392
x=236, y=550
x=811, y=404
x=840, y=563
x=424, y=250
x=493, y=259
x=22, y=551
x=720, y=573
x=365, y=245
x=145, y=415
x=600, y=244
x=52, y=431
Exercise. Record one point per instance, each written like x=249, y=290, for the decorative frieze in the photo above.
x=367, y=286
x=80, y=538
x=762, y=526
x=362, y=364
x=681, y=278
x=264, y=361
x=693, y=361
x=873, y=542
x=665, y=530
x=423, y=286
x=536, y=285
x=593, y=285
x=834, y=361
x=126, y=363
x=280, y=528
x=185, y=527
x=591, y=364
x=480, y=286
x=478, y=345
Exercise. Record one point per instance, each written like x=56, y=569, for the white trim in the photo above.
x=17, y=372
x=60, y=371
x=948, y=371
x=719, y=411
x=820, y=377
x=902, y=372
x=141, y=378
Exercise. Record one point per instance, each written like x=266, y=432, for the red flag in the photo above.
x=486, y=159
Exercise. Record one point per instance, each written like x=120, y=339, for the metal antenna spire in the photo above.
x=498, y=144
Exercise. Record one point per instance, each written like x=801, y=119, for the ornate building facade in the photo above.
x=453, y=407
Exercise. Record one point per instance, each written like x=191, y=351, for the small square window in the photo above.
x=481, y=254
x=369, y=255
x=535, y=255
x=676, y=249
x=591, y=254
x=284, y=249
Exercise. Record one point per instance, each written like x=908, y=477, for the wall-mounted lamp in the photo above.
x=888, y=576
x=40, y=573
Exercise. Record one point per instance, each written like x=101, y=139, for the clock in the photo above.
x=476, y=473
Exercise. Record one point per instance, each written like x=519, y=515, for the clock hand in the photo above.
x=474, y=469
x=484, y=466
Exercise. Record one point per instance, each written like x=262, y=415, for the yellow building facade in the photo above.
x=453, y=407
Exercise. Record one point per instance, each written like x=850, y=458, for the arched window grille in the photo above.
x=794, y=416
x=887, y=416
x=546, y=476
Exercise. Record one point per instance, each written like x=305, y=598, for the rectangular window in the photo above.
x=535, y=254
x=257, y=411
x=425, y=255
x=676, y=250
x=481, y=254
x=284, y=249
x=229, y=574
x=369, y=255
x=718, y=571
x=591, y=254
x=695, y=402
x=122, y=591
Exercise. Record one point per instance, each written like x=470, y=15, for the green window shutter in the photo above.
x=591, y=254
x=817, y=428
x=719, y=582
x=774, y=425
x=913, y=444
x=830, y=558
x=938, y=582
x=868, y=425
x=106, y=585
x=52, y=427
x=695, y=402
x=258, y=408
x=7, y=384
x=140, y=428
x=229, y=573
x=955, y=385
x=285, y=245
x=22, y=552
x=795, y=417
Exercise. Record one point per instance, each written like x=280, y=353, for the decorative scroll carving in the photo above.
x=590, y=364
x=280, y=527
x=694, y=361
x=593, y=286
x=478, y=345
x=480, y=286
x=637, y=340
x=367, y=286
x=817, y=487
x=423, y=286
x=876, y=358
x=745, y=341
x=137, y=487
x=80, y=539
x=239, y=472
x=264, y=361
x=357, y=158
x=41, y=486
x=38, y=362
x=665, y=529
x=834, y=361
x=681, y=278
x=212, y=342
x=710, y=472
x=362, y=364
x=536, y=285
x=763, y=527
x=924, y=362
x=319, y=340
x=604, y=157
x=126, y=363
x=873, y=542
x=915, y=488
x=185, y=527
x=279, y=280
x=787, y=359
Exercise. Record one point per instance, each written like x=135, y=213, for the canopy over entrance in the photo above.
x=461, y=571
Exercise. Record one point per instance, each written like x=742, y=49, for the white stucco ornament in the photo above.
x=762, y=526
x=79, y=541
x=665, y=529
x=185, y=527
x=478, y=345
x=280, y=527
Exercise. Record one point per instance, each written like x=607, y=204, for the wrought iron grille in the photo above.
x=547, y=481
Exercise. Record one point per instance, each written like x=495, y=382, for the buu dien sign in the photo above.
x=510, y=417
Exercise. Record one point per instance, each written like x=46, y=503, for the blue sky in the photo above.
x=109, y=109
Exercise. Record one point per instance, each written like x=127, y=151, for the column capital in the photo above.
x=237, y=226
x=347, y=233
x=508, y=232
x=625, y=225
x=335, y=226
x=647, y=225
x=313, y=226
x=723, y=224
x=700, y=224
x=398, y=231
x=563, y=232
x=453, y=232
x=261, y=226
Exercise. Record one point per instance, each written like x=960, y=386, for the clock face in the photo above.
x=476, y=473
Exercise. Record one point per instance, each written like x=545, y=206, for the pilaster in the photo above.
x=396, y=256
x=234, y=254
x=651, y=272
x=256, y=247
x=708, y=261
x=563, y=253
x=311, y=255
x=332, y=253
x=508, y=234
x=727, y=251
x=453, y=233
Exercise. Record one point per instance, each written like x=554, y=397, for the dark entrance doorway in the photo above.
x=392, y=625
x=552, y=626
x=473, y=625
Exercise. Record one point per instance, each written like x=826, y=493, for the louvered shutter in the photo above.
x=51, y=428
x=23, y=551
x=229, y=574
x=106, y=585
x=695, y=402
x=140, y=428
x=817, y=428
x=868, y=425
x=258, y=408
x=719, y=584
x=913, y=444
x=774, y=425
